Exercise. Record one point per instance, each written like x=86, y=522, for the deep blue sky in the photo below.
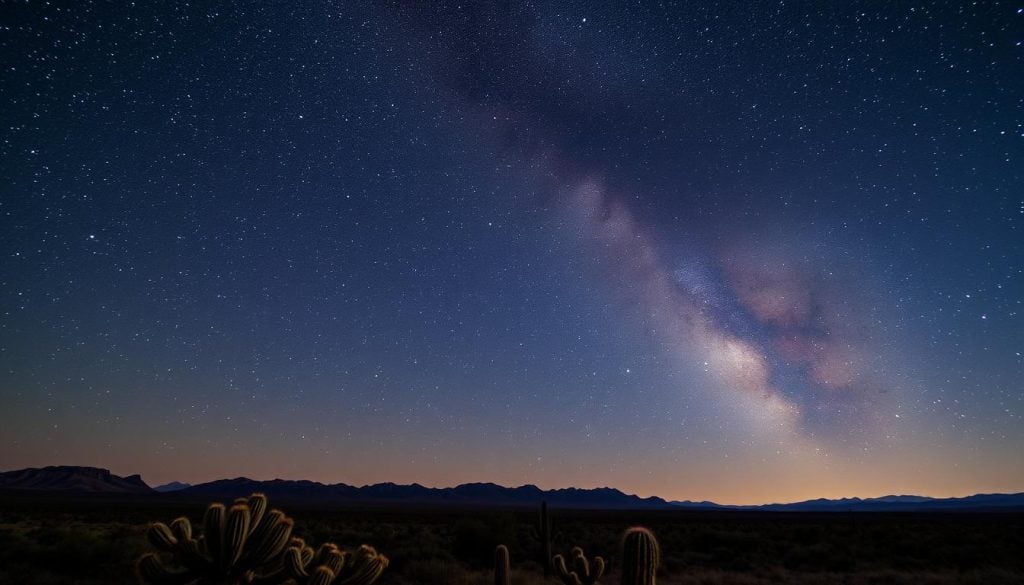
x=734, y=251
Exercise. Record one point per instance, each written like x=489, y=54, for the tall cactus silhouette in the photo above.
x=545, y=539
x=245, y=544
x=582, y=573
x=640, y=557
x=235, y=546
x=502, y=568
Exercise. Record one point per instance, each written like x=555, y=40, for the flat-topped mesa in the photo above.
x=70, y=478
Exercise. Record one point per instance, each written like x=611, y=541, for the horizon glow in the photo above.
x=747, y=253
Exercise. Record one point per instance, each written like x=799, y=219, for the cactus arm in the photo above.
x=502, y=570
x=213, y=531
x=293, y=563
x=161, y=537
x=181, y=528
x=598, y=568
x=364, y=567
x=330, y=556
x=582, y=572
x=271, y=544
x=257, y=507
x=236, y=530
x=640, y=557
x=335, y=561
x=579, y=563
x=545, y=536
x=307, y=555
x=321, y=576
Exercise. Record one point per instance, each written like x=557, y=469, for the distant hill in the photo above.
x=597, y=498
x=68, y=478
x=173, y=486
x=71, y=479
x=469, y=493
x=882, y=504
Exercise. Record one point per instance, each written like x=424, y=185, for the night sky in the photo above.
x=737, y=251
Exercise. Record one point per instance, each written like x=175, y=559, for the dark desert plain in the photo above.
x=722, y=292
x=96, y=538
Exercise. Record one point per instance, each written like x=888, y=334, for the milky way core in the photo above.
x=742, y=252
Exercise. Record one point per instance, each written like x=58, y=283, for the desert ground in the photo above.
x=92, y=540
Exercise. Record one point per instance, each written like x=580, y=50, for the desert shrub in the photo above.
x=455, y=547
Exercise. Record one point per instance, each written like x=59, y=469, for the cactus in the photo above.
x=545, y=539
x=502, y=572
x=362, y=567
x=640, y=557
x=245, y=544
x=321, y=576
x=236, y=543
x=581, y=573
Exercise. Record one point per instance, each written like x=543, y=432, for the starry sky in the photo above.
x=737, y=251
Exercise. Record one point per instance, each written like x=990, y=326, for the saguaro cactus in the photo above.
x=235, y=544
x=245, y=544
x=545, y=538
x=306, y=566
x=582, y=573
x=502, y=569
x=640, y=557
x=362, y=567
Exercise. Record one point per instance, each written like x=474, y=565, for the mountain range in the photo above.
x=882, y=504
x=69, y=478
x=174, y=486
x=72, y=479
x=468, y=493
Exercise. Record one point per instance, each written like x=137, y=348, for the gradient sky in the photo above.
x=737, y=251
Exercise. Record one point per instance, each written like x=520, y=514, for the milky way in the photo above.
x=734, y=251
x=769, y=324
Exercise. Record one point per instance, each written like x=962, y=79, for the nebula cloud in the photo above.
x=680, y=317
x=765, y=325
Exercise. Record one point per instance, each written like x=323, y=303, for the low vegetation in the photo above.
x=101, y=541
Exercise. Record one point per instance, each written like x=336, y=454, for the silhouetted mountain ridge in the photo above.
x=173, y=486
x=71, y=478
x=892, y=503
x=75, y=479
x=467, y=493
